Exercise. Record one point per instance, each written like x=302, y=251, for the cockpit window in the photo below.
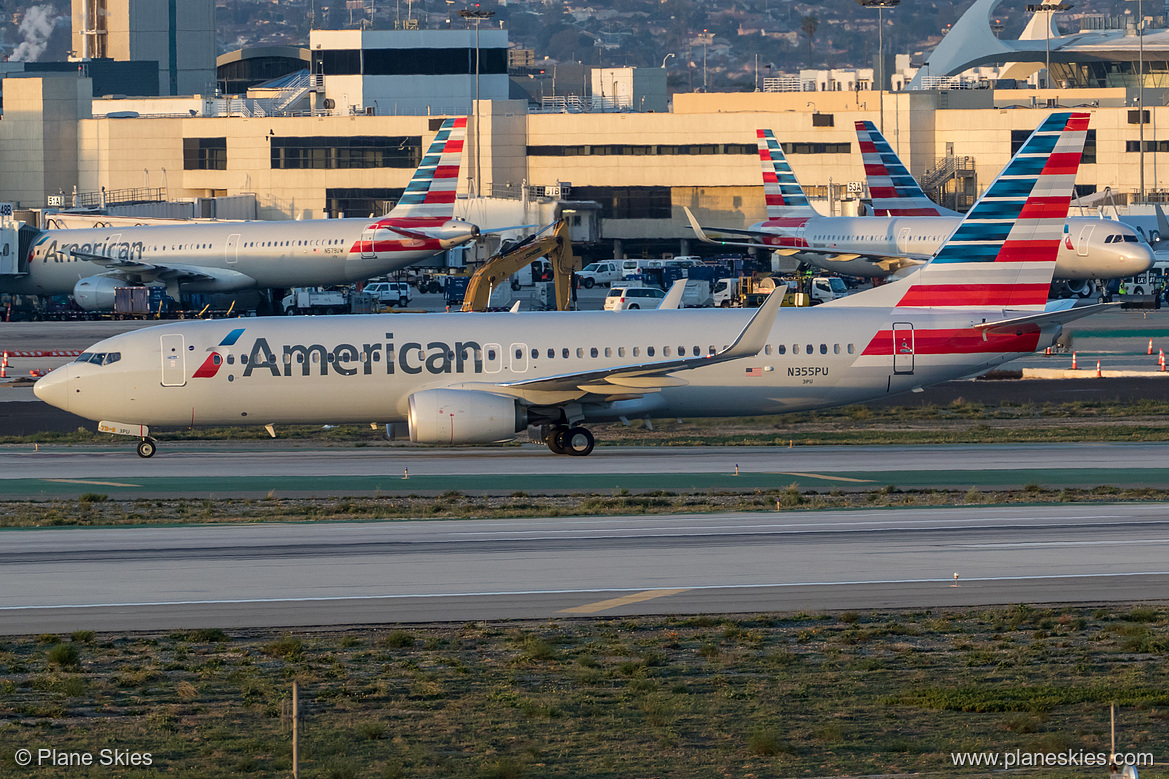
x=1131, y=239
x=99, y=358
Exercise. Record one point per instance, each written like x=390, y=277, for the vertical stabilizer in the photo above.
x=893, y=191
x=1004, y=251
x=785, y=196
x=431, y=192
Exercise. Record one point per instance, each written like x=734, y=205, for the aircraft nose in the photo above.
x=53, y=388
x=1140, y=258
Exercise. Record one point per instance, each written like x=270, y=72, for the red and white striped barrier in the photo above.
x=44, y=353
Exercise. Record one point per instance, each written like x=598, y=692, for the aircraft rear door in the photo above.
x=902, y=348
x=231, y=249
x=174, y=369
x=368, y=236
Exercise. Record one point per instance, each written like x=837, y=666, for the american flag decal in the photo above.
x=754, y=371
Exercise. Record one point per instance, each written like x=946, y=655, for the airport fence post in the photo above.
x=295, y=731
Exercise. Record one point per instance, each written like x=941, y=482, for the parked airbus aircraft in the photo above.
x=225, y=257
x=879, y=246
x=479, y=378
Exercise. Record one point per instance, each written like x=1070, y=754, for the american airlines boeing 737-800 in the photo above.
x=477, y=378
x=90, y=263
x=907, y=230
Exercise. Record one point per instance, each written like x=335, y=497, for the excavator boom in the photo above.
x=554, y=244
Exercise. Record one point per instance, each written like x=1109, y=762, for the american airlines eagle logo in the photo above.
x=210, y=366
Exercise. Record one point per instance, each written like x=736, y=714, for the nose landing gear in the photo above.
x=147, y=447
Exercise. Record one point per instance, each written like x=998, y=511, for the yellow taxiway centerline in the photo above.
x=825, y=478
x=612, y=603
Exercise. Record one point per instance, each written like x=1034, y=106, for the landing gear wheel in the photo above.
x=147, y=447
x=553, y=439
x=577, y=442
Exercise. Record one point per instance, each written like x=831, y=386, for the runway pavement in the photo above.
x=59, y=580
x=256, y=468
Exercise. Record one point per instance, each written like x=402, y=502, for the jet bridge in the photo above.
x=15, y=241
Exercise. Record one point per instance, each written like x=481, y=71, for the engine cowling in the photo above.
x=444, y=416
x=96, y=293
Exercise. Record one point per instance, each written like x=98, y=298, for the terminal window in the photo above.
x=360, y=201
x=205, y=154
x=347, y=152
x=642, y=150
x=628, y=202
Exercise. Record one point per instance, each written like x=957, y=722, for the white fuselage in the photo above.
x=236, y=255
x=1084, y=254
x=365, y=368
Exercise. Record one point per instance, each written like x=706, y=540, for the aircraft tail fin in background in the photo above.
x=1002, y=255
x=431, y=191
x=894, y=192
x=785, y=197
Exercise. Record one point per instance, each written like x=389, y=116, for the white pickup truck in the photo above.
x=604, y=273
x=390, y=293
x=309, y=300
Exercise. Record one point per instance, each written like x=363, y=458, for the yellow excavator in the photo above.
x=552, y=242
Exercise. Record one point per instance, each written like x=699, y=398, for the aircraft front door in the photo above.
x=368, y=236
x=231, y=249
x=518, y=354
x=1085, y=236
x=902, y=348
x=903, y=240
x=174, y=361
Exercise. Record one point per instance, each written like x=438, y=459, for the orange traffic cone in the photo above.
x=1048, y=351
x=1150, y=346
x=1074, y=366
x=1162, y=361
x=4, y=367
x=1097, y=369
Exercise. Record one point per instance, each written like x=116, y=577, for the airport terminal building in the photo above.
x=344, y=138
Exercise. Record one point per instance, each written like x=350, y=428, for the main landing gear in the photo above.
x=147, y=447
x=576, y=441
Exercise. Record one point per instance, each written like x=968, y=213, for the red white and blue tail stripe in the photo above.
x=785, y=197
x=1003, y=253
x=893, y=191
x=431, y=192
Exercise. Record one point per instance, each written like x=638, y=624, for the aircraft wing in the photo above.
x=638, y=378
x=156, y=271
x=821, y=255
x=1057, y=317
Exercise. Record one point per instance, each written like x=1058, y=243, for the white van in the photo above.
x=634, y=267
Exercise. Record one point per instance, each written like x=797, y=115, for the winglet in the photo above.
x=697, y=228
x=673, y=298
x=1162, y=224
x=754, y=336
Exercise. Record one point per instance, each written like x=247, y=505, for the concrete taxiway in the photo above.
x=257, y=468
x=350, y=573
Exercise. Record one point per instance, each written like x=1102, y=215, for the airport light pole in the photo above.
x=880, y=5
x=1048, y=8
x=478, y=15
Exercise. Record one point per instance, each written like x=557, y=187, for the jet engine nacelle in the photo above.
x=96, y=293
x=444, y=416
